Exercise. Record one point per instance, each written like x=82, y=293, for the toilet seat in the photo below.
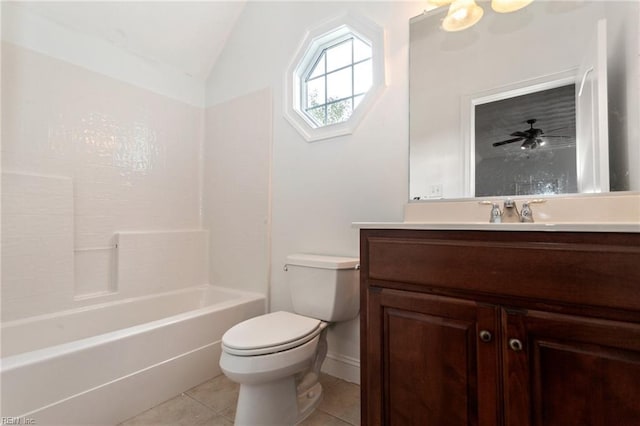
x=270, y=333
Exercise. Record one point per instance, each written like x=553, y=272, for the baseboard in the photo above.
x=342, y=366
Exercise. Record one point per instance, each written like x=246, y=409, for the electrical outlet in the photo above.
x=435, y=191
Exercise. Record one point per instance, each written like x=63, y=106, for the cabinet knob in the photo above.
x=515, y=345
x=485, y=336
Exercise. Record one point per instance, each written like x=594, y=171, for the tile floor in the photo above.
x=213, y=403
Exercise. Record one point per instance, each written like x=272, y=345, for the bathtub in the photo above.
x=105, y=363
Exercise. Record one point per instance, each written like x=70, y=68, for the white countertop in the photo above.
x=482, y=226
x=611, y=212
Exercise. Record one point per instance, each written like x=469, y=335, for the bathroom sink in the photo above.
x=484, y=226
x=589, y=208
x=574, y=213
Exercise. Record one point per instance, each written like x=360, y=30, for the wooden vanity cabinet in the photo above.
x=500, y=328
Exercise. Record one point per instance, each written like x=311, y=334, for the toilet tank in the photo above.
x=324, y=287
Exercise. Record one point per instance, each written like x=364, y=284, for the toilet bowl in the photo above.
x=267, y=370
x=276, y=357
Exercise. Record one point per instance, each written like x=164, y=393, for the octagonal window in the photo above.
x=334, y=78
x=337, y=81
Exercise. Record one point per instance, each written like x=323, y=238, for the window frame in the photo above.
x=315, y=44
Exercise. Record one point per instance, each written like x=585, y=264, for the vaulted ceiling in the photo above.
x=186, y=35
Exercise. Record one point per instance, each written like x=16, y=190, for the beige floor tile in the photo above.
x=327, y=380
x=320, y=418
x=218, y=393
x=219, y=421
x=230, y=412
x=342, y=400
x=214, y=402
x=178, y=411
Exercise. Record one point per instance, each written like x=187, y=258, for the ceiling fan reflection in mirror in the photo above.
x=532, y=138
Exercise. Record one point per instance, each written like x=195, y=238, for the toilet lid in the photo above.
x=279, y=330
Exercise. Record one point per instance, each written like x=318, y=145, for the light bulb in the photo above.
x=507, y=6
x=462, y=15
x=439, y=3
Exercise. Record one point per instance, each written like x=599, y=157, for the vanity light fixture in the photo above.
x=507, y=6
x=466, y=13
x=462, y=15
x=438, y=3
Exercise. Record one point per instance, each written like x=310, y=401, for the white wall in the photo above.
x=623, y=71
x=320, y=188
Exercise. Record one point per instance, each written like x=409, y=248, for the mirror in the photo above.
x=539, y=101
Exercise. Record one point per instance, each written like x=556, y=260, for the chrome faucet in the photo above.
x=510, y=212
x=496, y=214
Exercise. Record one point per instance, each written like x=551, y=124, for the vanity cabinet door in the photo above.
x=563, y=370
x=426, y=362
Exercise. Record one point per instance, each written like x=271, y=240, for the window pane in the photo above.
x=319, y=67
x=339, y=111
x=361, y=50
x=317, y=115
x=339, y=85
x=339, y=56
x=315, y=92
x=362, y=77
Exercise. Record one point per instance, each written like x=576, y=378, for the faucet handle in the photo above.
x=526, y=214
x=496, y=214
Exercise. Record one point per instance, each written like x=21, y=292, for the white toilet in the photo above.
x=276, y=357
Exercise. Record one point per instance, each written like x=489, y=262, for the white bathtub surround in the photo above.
x=130, y=160
x=37, y=244
x=88, y=335
x=44, y=272
x=105, y=363
x=237, y=162
x=150, y=262
x=103, y=203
